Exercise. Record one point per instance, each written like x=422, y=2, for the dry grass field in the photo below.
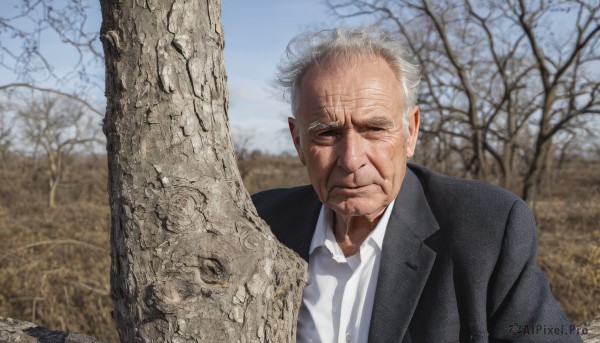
x=569, y=239
x=54, y=263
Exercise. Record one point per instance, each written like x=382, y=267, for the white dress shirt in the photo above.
x=338, y=298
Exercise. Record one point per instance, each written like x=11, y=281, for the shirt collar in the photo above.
x=325, y=226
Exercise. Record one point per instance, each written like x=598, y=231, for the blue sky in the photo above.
x=256, y=34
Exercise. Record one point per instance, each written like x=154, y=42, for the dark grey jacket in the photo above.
x=458, y=262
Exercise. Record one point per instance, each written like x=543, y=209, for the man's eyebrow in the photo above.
x=382, y=122
x=319, y=126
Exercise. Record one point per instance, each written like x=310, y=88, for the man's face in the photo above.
x=348, y=132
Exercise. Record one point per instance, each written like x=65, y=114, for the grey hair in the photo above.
x=309, y=49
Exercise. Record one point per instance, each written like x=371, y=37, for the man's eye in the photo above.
x=327, y=133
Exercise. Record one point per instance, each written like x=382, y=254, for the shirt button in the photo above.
x=348, y=337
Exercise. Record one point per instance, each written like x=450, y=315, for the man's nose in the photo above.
x=351, y=154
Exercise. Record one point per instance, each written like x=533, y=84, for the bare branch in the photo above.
x=53, y=91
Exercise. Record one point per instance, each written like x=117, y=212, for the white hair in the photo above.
x=309, y=49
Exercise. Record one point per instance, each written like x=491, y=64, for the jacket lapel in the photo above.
x=405, y=262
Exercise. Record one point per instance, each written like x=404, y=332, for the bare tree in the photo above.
x=500, y=79
x=57, y=127
x=27, y=27
x=29, y=23
x=6, y=127
x=191, y=259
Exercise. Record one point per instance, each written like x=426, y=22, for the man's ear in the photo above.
x=295, y=132
x=413, y=131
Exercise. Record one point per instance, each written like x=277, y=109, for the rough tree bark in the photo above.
x=191, y=259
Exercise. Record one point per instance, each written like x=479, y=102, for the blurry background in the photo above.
x=509, y=95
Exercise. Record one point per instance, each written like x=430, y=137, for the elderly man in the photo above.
x=396, y=252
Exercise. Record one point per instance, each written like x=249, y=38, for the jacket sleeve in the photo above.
x=521, y=307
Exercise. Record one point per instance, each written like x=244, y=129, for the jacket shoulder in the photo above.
x=449, y=191
x=278, y=199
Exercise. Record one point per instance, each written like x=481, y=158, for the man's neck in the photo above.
x=351, y=231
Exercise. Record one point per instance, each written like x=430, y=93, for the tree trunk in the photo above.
x=54, y=166
x=191, y=259
x=53, y=185
x=536, y=170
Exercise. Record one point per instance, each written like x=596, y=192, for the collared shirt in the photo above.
x=338, y=299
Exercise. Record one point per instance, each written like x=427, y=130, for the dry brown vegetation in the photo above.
x=569, y=239
x=54, y=263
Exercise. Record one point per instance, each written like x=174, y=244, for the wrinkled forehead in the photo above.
x=348, y=71
x=346, y=60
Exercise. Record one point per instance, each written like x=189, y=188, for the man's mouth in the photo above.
x=349, y=188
